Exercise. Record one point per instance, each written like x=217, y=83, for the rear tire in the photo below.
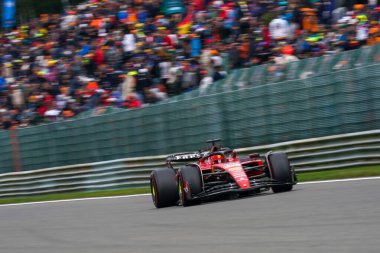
x=280, y=171
x=163, y=186
x=189, y=184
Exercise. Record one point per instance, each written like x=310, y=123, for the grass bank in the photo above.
x=73, y=195
x=367, y=171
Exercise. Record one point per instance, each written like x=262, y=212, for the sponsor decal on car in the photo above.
x=185, y=157
x=230, y=165
x=236, y=171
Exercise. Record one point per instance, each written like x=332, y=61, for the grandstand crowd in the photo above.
x=129, y=54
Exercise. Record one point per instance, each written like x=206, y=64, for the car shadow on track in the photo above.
x=232, y=197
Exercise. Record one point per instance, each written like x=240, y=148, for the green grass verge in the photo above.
x=73, y=195
x=367, y=171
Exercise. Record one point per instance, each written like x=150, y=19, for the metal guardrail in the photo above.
x=332, y=152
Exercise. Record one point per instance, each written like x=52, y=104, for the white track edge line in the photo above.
x=340, y=180
x=148, y=194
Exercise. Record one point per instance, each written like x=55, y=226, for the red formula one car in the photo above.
x=216, y=172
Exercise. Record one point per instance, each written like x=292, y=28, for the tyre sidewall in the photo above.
x=189, y=177
x=280, y=171
x=164, y=181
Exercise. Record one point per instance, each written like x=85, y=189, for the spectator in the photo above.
x=127, y=54
x=205, y=82
x=279, y=29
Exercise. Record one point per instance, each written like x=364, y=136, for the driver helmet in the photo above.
x=217, y=159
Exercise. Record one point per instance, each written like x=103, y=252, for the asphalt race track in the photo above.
x=324, y=217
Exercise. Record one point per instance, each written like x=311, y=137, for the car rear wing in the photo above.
x=182, y=158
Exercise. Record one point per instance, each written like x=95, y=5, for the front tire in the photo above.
x=280, y=171
x=163, y=186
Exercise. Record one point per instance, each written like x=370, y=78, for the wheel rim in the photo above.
x=180, y=187
x=180, y=191
x=154, y=191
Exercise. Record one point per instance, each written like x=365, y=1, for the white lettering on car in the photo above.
x=186, y=157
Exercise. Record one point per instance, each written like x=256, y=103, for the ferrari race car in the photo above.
x=218, y=171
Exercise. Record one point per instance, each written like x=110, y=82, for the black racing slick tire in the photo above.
x=163, y=186
x=280, y=171
x=189, y=185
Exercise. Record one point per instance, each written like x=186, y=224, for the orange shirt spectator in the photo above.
x=310, y=20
